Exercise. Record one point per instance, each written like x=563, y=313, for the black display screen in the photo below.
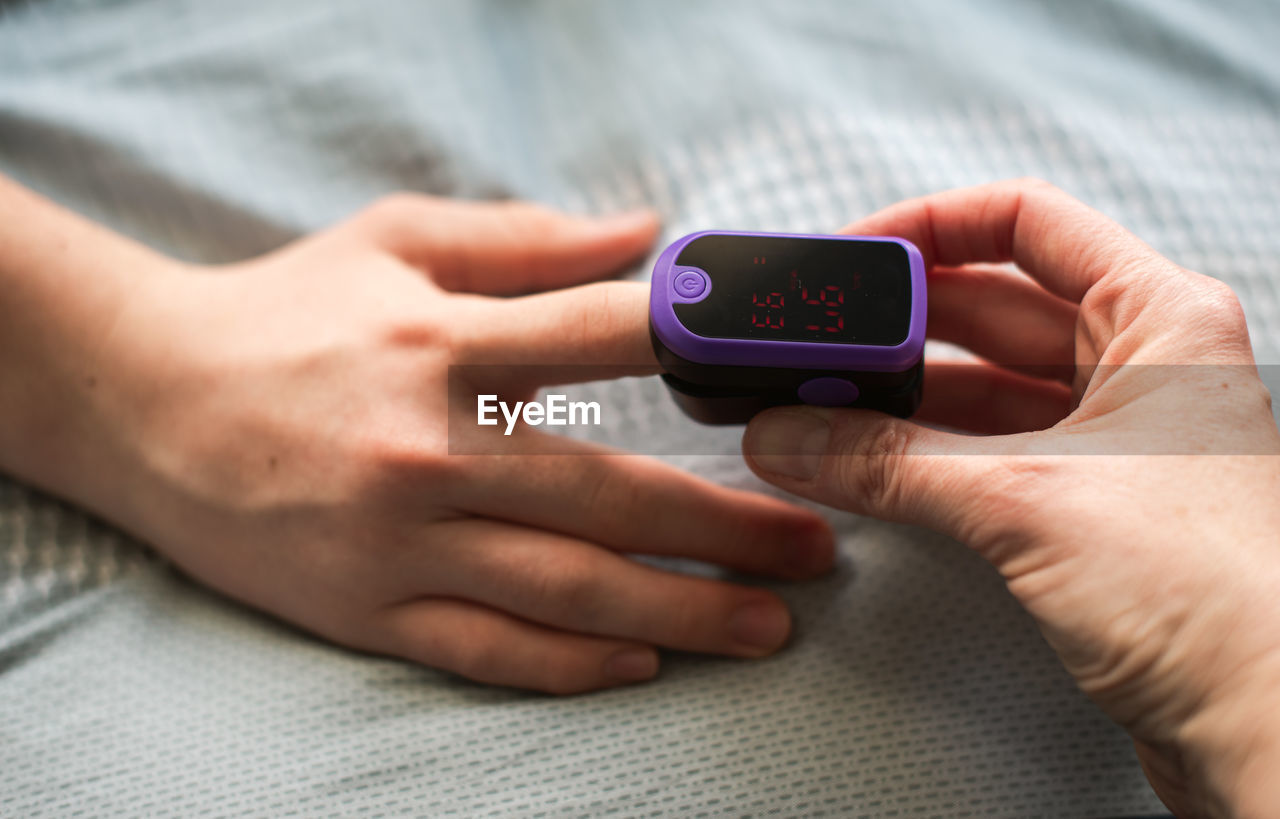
x=782, y=288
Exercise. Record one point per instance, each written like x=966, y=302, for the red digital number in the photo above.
x=831, y=297
x=768, y=317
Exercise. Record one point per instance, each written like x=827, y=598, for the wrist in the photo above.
x=60, y=398
x=65, y=287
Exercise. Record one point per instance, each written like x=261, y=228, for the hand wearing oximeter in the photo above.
x=745, y=321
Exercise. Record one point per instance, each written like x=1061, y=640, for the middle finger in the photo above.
x=637, y=504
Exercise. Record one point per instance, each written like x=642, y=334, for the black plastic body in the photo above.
x=732, y=395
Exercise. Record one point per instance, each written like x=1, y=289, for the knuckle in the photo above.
x=441, y=341
x=533, y=225
x=520, y=222
x=682, y=621
x=390, y=218
x=418, y=333
x=591, y=317
x=528, y=215
x=397, y=207
x=1218, y=302
x=475, y=654
x=566, y=588
x=1032, y=192
x=869, y=471
x=1134, y=283
x=1102, y=302
x=1192, y=300
x=1034, y=185
x=526, y=228
x=611, y=488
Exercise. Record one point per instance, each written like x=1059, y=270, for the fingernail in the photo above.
x=632, y=665
x=788, y=442
x=760, y=625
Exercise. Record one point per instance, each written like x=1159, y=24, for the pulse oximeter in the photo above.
x=745, y=321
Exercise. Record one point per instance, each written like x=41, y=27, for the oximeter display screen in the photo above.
x=799, y=289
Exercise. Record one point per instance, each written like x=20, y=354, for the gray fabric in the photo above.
x=915, y=685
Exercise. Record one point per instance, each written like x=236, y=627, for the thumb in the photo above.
x=505, y=248
x=878, y=465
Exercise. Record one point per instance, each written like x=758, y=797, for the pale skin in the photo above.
x=277, y=428
x=1154, y=576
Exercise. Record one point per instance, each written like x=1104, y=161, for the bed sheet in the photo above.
x=915, y=684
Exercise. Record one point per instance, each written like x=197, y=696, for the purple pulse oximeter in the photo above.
x=746, y=321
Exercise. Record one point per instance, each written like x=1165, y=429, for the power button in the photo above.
x=690, y=285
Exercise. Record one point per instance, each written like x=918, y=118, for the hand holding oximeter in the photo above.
x=745, y=321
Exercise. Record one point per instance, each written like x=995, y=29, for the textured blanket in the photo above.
x=915, y=685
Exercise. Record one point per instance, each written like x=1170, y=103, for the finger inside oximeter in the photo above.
x=745, y=321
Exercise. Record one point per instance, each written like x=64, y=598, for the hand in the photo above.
x=278, y=429
x=1131, y=506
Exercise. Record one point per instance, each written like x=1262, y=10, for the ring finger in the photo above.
x=490, y=646
x=573, y=585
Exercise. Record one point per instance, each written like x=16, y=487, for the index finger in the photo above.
x=1062, y=243
x=586, y=333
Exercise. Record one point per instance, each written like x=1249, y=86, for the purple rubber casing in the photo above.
x=749, y=352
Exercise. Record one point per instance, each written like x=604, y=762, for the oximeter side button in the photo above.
x=690, y=284
x=828, y=392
